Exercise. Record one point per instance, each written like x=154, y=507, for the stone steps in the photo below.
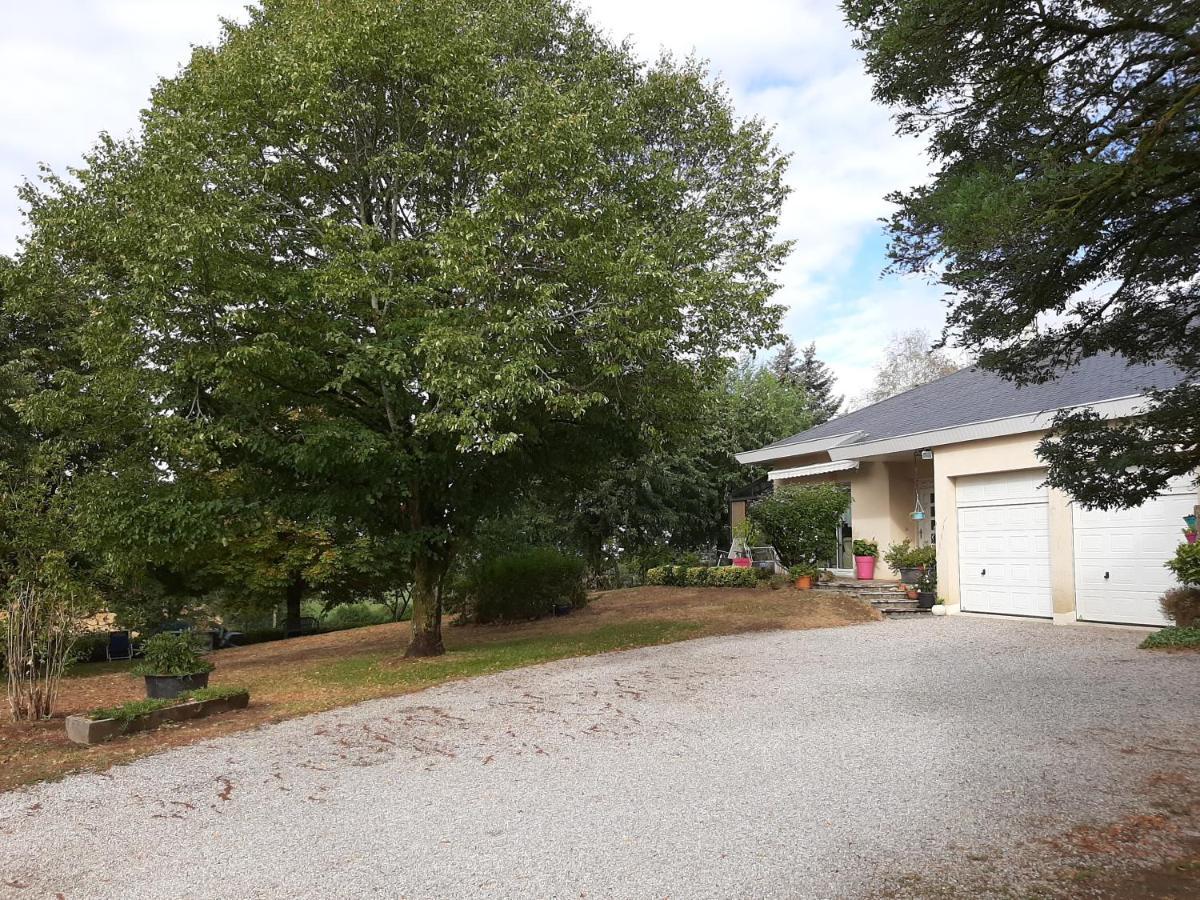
x=885, y=596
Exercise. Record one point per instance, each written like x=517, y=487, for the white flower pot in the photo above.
x=939, y=609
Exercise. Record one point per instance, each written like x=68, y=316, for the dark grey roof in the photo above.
x=973, y=395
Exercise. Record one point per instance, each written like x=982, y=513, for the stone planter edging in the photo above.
x=83, y=730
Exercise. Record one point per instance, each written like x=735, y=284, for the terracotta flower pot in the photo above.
x=911, y=594
x=804, y=582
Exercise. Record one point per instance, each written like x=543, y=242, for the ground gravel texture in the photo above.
x=846, y=762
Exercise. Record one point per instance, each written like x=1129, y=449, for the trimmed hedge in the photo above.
x=527, y=585
x=706, y=576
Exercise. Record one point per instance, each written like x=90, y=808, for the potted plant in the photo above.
x=172, y=665
x=927, y=589
x=901, y=558
x=910, y=591
x=1189, y=534
x=865, y=554
x=939, y=606
x=804, y=575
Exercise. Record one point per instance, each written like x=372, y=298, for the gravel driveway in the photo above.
x=838, y=762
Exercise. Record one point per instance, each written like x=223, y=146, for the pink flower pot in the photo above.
x=864, y=568
x=1191, y=537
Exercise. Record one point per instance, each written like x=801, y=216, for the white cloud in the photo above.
x=853, y=341
x=70, y=69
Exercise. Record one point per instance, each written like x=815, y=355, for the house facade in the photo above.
x=961, y=453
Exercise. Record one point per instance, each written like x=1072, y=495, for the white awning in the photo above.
x=841, y=465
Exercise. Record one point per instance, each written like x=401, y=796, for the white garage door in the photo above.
x=1119, y=556
x=1004, y=544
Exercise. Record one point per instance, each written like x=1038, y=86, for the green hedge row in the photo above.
x=706, y=576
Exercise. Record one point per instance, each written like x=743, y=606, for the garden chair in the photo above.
x=120, y=645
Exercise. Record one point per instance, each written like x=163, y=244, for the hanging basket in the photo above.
x=918, y=514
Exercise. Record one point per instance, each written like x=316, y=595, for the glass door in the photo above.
x=844, y=558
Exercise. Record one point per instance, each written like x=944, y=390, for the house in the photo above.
x=963, y=448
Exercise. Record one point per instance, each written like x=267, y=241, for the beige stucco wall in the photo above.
x=1003, y=454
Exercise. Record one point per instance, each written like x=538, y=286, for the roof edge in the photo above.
x=801, y=448
x=1117, y=407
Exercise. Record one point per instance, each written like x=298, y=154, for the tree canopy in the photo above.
x=1062, y=215
x=382, y=264
x=909, y=360
x=803, y=370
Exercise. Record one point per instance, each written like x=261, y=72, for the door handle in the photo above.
x=1106, y=576
x=984, y=572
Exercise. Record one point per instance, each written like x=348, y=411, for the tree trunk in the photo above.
x=295, y=594
x=426, y=606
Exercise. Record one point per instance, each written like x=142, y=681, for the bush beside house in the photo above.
x=801, y=521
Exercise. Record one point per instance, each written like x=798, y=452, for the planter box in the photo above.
x=83, y=730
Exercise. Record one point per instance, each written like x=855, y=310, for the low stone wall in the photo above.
x=83, y=730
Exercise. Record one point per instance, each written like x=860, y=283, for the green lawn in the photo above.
x=381, y=669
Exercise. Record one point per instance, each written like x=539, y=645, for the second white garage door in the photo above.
x=1119, y=556
x=1004, y=543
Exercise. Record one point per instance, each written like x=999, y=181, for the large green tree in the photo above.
x=677, y=496
x=1063, y=214
x=802, y=369
x=389, y=261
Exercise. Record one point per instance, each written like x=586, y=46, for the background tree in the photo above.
x=398, y=260
x=48, y=584
x=910, y=360
x=1063, y=215
x=659, y=503
x=804, y=371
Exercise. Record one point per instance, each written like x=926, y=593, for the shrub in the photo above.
x=355, y=615
x=900, y=556
x=866, y=548
x=905, y=556
x=732, y=576
x=172, y=654
x=801, y=521
x=1172, y=638
x=1186, y=563
x=1182, y=606
x=127, y=712
x=696, y=576
x=527, y=585
x=805, y=570
x=676, y=576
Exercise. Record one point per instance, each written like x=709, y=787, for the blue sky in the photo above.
x=72, y=68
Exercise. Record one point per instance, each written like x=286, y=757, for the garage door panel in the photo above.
x=1004, y=547
x=1130, y=546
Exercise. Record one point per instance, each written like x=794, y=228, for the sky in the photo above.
x=70, y=69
